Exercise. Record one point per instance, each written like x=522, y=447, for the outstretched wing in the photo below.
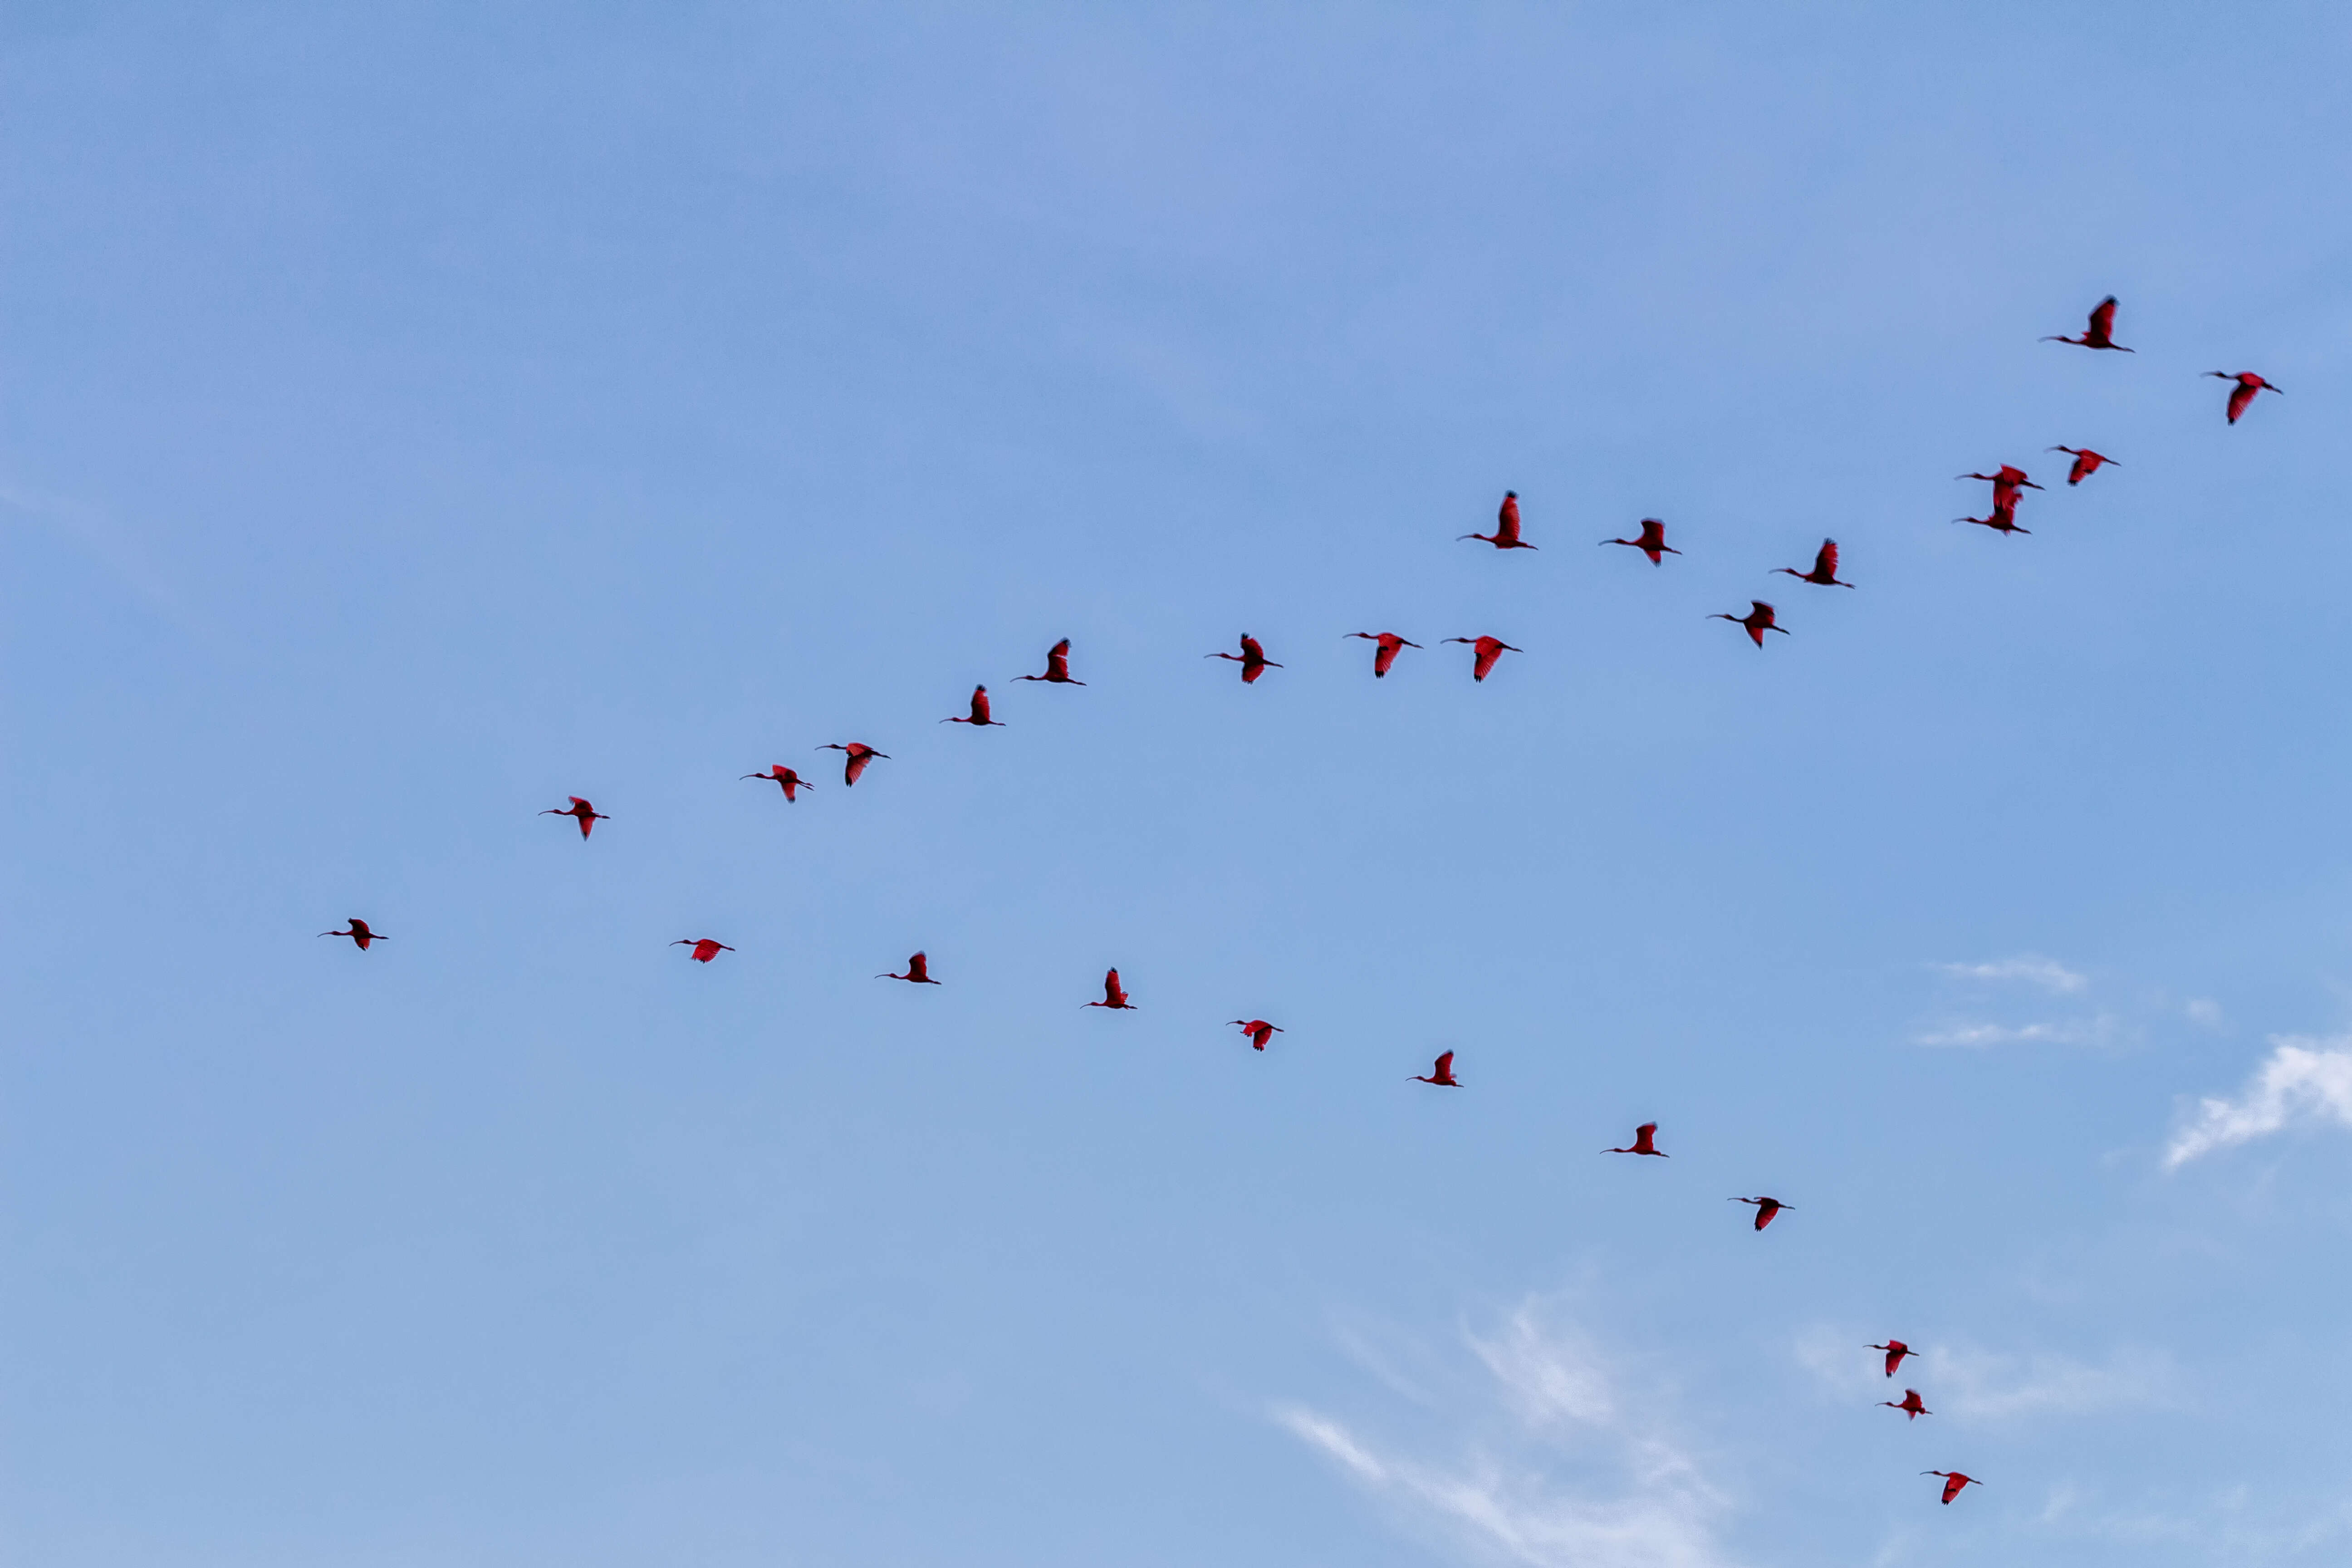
x=1825, y=559
x=2103, y=318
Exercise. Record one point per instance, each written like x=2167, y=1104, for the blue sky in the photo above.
x=416, y=417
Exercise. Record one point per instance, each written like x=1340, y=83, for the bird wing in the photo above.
x=1653, y=533
x=1059, y=650
x=2103, y=318
x=1445, y=1065
x=1825, y=559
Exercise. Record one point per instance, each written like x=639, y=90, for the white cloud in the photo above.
x=2207, y=1013
x=2065, y=1032
x=2026, y=968
x=2303, y=1081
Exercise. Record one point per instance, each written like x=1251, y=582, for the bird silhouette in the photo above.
x=1058, y=666
x=586, y=814
x=918, y=971
x=1764, y=1209
x=1646, y=1141
x=705, y=950
x=2006, y=484
x=1114, y=994
x=1489, y=650
x=980, y=707
x=1953, y=1482
x=1758, y=620
x=2087, y=463
x=2243, y=393
x=1507, y=526
x=359, y=933
x=1384, y=654
x=1258, y=1030
x=1251, y=658
x=1895, y=1350
x=2100, y=333
x=854, y=756
x=1909, y=1404
x=778, y=774
x=1442, y=1074
x=1824, y=570
x=2002, y=520
x=1653, y=542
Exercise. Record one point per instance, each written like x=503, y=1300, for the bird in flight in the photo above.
x=854, y=756
x=705, y=950
x=1251, y=658
x=1507, y=526
x=1824, y=570
x=1384, y=654
x=1442, y=1074
x=2243, y=393
x=1489, y=650
x=2101, y=332
x=2006, y=483
x=1909, y=1404
x=780, y=774
x=1953, y=1482
x=1764, y=1209
x=1653, y=542
x=1646, y=1141
x=918, y=971
x=359, y=933
x=587, y=816
x=1758, y=620
x=980, y=707
x=1258, y=1030
x=1058, y=666
x=1114, y=994
x=1895, y=1350
x=2002, y=520
x=2087, y=463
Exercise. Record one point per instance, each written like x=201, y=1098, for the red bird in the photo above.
x=359, y=933
x=2005, y=485
x=1258, y=1030
x=1442, y=1074
x=1758, y=620
x=1824, y=570
x=1057, y=666
x=1953, y=1482
x=2243, y=393
x=980, y=707
x=2087, y=463
x=1385, y=654
x=1507, y=526
x=1764, y=1209
x=1909, y=1404
x=919, y=970
x=1646, y=1141
x=2100, y=333
x=1895, y=1350
x=1489, y=650
x=1653, y=542
x=588, y=815
x=1251, y=658
x=2002, y=520
x=779, y=774
x=705, y=950
x=1113, y=996
x=854, y=756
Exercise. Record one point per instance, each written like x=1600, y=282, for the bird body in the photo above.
x=2100, y=331
x=705, y=950
x=1385, y=652
x=1909, y=1404
x=1646, y=1141
x=1765, y=1209
x=1251, y=658
x=979, y=716
x=2002, y=520
x=1653, y=542
x=1258, y=1030
x=1825, y=565
x=1489, y=650
x=2007, y=482
x=1058, y=666
x=1953, y=1482
x=2243, y=393
x=918, y=971
x=359, y=933
x=1507, y=526
x=2087, y=463
x=1757, y=621
x=854, y=756
x=1114, y=994
x=1895, y=1350
x=1441, y=1074
x=580, y=810
x=780, y=774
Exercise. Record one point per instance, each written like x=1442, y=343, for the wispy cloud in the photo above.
x=2026, y=968
x=2090, y=1031
x=2305, y=1080
x=1972, y=1383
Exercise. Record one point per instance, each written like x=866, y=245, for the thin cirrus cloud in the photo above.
x=2304, y=1082
x=2074, y=1032
x=2026, y=969
x=1972, y=1383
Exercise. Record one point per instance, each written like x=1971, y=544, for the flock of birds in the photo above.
x=2009, y=484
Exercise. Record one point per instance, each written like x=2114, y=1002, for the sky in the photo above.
x=414, y=415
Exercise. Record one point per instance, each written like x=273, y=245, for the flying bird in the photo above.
x=2087, y=463
x=854, y=756
x=1653, y=542
x=705, y=950
x=1758, y=620
x=1646, y=1141
x=918, y=971
x=1909, y=1404
x=1507, y=526
x=1442, y=1074
x=1258, y=1030
x=1489, y=650
x=1114, y=996
x=780, y=774
x=1953, y=1482
x=980, y=707
x=1385, y=654
x=2002, y=520
x=359, y=933
x=1058, y=666
x=2243, y=393
x=2006, y=483
x=1824, y=570
x=2100, y=333
x=587, y=816
x=1764, y=1209
x=1251, y=658
x=1895, y=1350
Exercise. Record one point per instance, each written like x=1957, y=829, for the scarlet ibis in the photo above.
x=1758, y=620
x=705, y=950
x=1653, y=542
x=1385, y=654
x=779, y=774
x=1507, y=526
x=359, y=933
x=854, y=756
x=1824, y=570
x=2006, y=483
x=1489, y=651
x=1114, y=996
x=1895, y=1350
x=1764, y=1209
x=2243, y=393
x=918, y=971
x=588, y=815
x=2087, y=463
x=980, y=707
x=2002, y=520
x=1909, y=1404
x=1442, y=1074
x=1057, y=666
x=1251, y=658
x=1953, y=1482
x=1258, y=1030
x=2100, y=333
x=1646, y=1141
